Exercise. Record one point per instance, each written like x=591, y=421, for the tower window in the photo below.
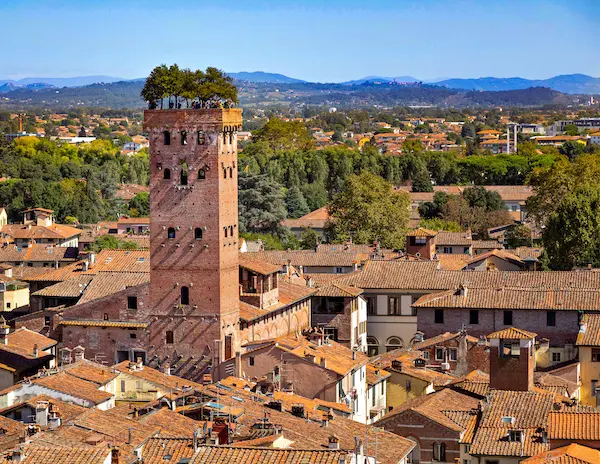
x=231, y=231
x=185, y=295
x=171, y=232
x=224, y=173
x=231, y=138
x=167, y=137
x=231, y=173
x=169, y=337
x=167, y=173
x=225, y=231
x=132, y=302
x=201, y=174
x=201, y=138
x=183, y=177
x=225, y=138
x=183, y=137
x=198, y=233
x=105, y=317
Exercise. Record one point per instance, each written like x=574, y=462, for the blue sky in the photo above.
x=326, y=40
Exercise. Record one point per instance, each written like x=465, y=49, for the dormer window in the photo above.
x=515, y=435
x=167, y=138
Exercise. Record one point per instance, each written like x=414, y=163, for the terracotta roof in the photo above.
x=63, y=455
x=476, y=382
x=156, y=448
x=315, y=220
x=574, y=426
x=440, y=407
x=235, y=455
x=555, y=384
x=121, y=261
x=72, y=288
x=338, y=290
x=108, y=283
x=512, y=333
x=309, y=258
x=59, y=275
x=527, y=252
x=35, y=232
x=453, y=238
x=501, y=254
x=570, y=454
x=37, y=253
x=74, y=386
x=401, y=360
x=452, y=261
x=66, y=410
x=530, y=412
x=90, y=371
x=288, y=294
x=25, y=339
x=589, y=332
x=442, y=338
x=421, y=232
x=155, y=376
x=566, y=299
x=134, y=220
x=258, y=266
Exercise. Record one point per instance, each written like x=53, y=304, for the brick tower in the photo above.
x=194, y=288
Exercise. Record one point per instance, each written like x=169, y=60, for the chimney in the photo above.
x=129, y=436
x=41, y=413
x=325, y=419
x=167, y=369
x=92, y=259
x=54, y=419
x=333, y=442
x=17, y=455
x=36, y=351
x=353, y=355
x=4, y=331
x=140, y=363
x=115, y=455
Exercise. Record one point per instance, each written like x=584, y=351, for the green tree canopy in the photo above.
x=369, y=210
x=261, y=204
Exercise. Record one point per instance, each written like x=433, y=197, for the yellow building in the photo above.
x=13, y=294
x=588, y=342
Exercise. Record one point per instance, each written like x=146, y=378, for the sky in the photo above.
x=321, y=41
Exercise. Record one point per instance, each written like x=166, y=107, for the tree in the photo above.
x=517, y=236
x=571, y=149
x=369, y=210
x=296, y=203
x=112, y=242
x=483, y=198
x=139, y=206
x=440, y=224
x=261, y=204
x=284, y=135
x=571, y=129
x=308, y=239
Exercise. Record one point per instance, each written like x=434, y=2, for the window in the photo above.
x=225, y=231
x=47, y=320
x=439, y=452
x=426, y=355
x=474, y=317
x=515, y=435
x=167, y=173
x=439, y=354
x=132, y=302
x=453, y=354
x=251, y=360
x=183, y=137
x=339, y=270
x=393, y=343
x=467, y=251
x=183, y=177
x=508, y=318
x=551, y=318
x=372, y=346
x=393, y=306
x=331, y=332
x=167, y=138
x=105, y=316
x=8, y=305
x=447, y=249
x=231, y=173
x=185, y=295
x=556, y=357
x=201, y=138
x=438, y=316
x=198, y=233
x=171, y=233
x=122, y=385
x=169, y=337
x=224, y=173
x=138, y=385
x=408, y=386
x=201, y=174
x=371, y=306
x=132, y=335
x=595, y=355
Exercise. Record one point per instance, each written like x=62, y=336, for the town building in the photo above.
x=588, y=344
x=39, y=228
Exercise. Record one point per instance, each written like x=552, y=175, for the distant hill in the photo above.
x=62, y=81
x=569, y=83
x=260, y=76
x=10, y=86
x=381, y=79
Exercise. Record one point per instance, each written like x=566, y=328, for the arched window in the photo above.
x=231, y=173
x=225, y=231
x=183, y=137
x=105, y=316
x=167, y=173
x=372, y=346
x=198, y=233
x=231, y=138
x=171, y=232
x=442, y=451
x=394, y=343
x=167, y=137
x=169, y=339
x=183, y=177
x=231, y=231
x=224, y=173
x=436, y=451
x=201, y=138
x=185, y=295
x=201, y=174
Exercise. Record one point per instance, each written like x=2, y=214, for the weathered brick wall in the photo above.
x=278, y=323
x=425, y=432
x=342, y=321
x=208, y=267
x=565, y=331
